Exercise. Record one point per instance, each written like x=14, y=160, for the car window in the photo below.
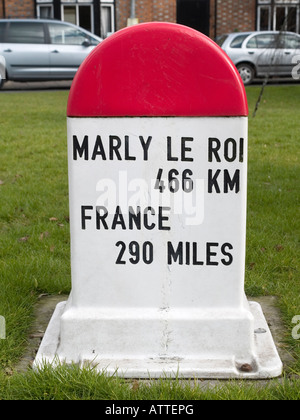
x=252, y=43
x=221, y=39
x=291, y=41
x=67, y=35
x=238, y=41
x=25, y=33
x=2, y=29
x=263, y=41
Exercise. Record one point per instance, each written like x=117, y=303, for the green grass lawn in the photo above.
x=35, y=255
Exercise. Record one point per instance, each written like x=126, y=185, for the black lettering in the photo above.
x=195, y=249
x=84, y=217
x=214, y=146
x=134, y=251
x=159, y=183
x=210, y=253
x=162, y=218
x=169, y=150
x=98, y=149
x=80, y=150
x=212, y=181
x=100, y=218
x=148, y=253
x=114, y=146
x=241, y=150
x=123, y=248
x=227, y=156
x=146, y=224
x=127, y=156
x=175, y=255
x=138, y=218
x=134, y=218
x=231, y=183
x=187, y=253
x=227, y=254
x=139, y=252
x=185, y=149
x=118, y=219
x=145, y=145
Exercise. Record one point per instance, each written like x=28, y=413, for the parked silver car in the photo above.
x=43, y=49
x=257, y=54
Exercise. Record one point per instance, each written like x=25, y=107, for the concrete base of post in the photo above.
x=66, y=341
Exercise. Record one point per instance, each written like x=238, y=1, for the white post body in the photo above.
x=158, y=225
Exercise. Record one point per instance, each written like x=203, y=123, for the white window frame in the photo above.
x=259, y=14
x=77, y=5
x=272, y=11
x=112, y=8
x=286, y=6
x=43, y=5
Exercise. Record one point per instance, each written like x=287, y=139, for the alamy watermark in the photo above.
x=181, y=192
x=2, y=68
x=296, y=68
x=2, y=328
x=296, y=329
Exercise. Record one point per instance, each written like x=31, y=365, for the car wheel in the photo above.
x=246, y=72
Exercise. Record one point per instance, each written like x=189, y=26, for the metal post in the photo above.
x=132, y=9
x=132, y=20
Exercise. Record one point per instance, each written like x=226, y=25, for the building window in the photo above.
x=96, y=16
x=44, y=9
x=264, y=18
x=279, y=15
x=80, y=14
x=107, y=19
x=285, y=18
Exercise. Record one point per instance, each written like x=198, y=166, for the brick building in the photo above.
x=212, y=17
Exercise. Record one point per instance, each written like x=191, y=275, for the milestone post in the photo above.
x=157, y=151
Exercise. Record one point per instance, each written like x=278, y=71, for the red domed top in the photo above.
x=157, y=69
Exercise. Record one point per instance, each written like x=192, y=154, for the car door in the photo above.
x=69, y=47
x=266, y=52
x=290, y=50
x=25, y=51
